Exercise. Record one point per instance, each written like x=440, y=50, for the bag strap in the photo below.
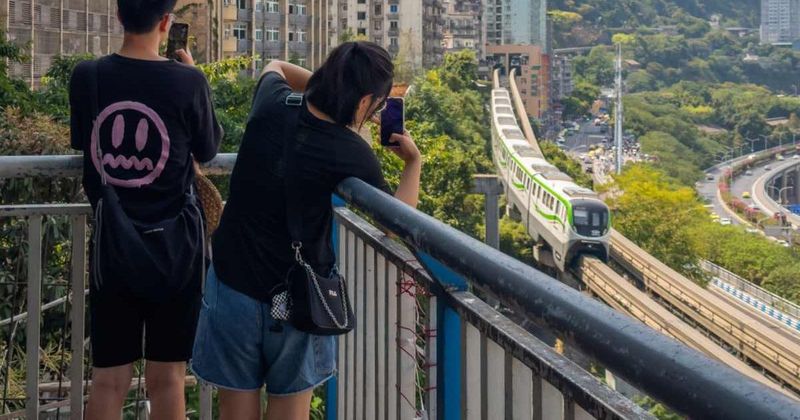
x=95, y=110
x=294, y=217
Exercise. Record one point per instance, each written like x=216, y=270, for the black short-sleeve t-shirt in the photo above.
x=251, y=247
x=153, y=116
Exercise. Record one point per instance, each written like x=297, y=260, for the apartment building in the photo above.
x=561, y=76
x=463, y=26
x=515, y=22
x=409, y=29
x=780, y=21
x=533, y=74
x=48, y=28
x=291, y=30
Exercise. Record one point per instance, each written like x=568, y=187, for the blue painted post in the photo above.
x=449, y=347
x=332, y=386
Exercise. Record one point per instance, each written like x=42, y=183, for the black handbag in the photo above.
x=155, y=261
x=317, y=304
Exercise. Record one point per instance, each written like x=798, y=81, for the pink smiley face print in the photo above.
x=134, y=144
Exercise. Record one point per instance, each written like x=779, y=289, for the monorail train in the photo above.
x=571, y=219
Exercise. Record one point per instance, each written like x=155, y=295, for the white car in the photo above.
x=796, y=157
x=783, y=243
x=724, y=221
x=751, y=230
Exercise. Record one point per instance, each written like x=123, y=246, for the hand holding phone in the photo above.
x=177, y=40
x=392, y=120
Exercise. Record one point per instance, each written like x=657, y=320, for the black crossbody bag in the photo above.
x=155, y=261
x=316, y=304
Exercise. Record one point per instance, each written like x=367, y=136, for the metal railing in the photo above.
x=424, y=343
x=763, y=295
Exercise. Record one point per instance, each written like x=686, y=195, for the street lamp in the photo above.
x=780, y=191
x=765, y=140
x=752, y=142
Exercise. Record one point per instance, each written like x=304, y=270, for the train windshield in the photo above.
x=590, y=220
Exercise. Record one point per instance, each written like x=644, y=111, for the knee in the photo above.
x=164, y=381
x=117, y=383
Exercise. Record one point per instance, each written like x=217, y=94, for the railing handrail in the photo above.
x=753, y=289
x=683, y=378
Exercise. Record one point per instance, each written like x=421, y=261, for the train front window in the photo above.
x=590, y=220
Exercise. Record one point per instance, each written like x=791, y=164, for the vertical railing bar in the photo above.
x=77, y=314
x=484, y=380
x=432, y=352
x=360, y=310
x=538, y=403
x=508, y=383
x=473, y=378
x=392, y=341
x=569, y=408
x=407, y=357
x=521, y=390
x=206, y=401
x=32, y=332
x=382, y=305
x=351, y=337
x=370, y=333
x=341, y=350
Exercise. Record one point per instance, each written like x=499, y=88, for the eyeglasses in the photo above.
x=381, y=107
x=172, y=17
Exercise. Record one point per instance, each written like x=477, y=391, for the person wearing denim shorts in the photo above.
x=239, y=347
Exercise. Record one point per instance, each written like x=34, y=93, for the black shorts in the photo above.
x=125, y=328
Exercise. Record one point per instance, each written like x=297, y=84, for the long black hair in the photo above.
x=352, y=71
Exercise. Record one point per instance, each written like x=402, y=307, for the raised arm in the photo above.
x=296, y=76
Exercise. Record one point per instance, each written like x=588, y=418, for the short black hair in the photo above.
x=351, y=71
x=141, y=16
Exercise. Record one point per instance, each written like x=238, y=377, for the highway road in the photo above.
x=763, y=201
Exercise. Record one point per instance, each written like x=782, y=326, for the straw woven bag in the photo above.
x=210, y=200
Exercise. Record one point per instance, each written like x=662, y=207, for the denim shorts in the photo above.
x=239, y=346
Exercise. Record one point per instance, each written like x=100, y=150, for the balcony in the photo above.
x=230, y=12
x=229, y=45
x=243, y=46
x=426, y=344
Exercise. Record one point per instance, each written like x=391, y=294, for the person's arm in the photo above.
x=296, y=76
x=406, y=149
x=206, y=130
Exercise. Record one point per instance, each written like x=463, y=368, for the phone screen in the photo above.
x=391, y=120
x=178, y=36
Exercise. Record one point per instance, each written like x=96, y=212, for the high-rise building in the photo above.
x=519, y=22
x=463, y=25
x=410, y=30
x=533, y=73
x=291, y=30
x=203, y=38
x=561, y=76
x=48, y=28
x=780, y=21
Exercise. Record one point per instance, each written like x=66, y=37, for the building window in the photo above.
x=291, y=9
x=362, y=15
x=300, y=36
x=393, y=8
x=362, y=31
x=291, y=36
x=272, y=35
x=362, y=1
x=240, y=30
x=378, y=9
x=242, y=4
x=392, y=24
x=393, y=42
x=259, y=63
x=301, y=9
x=260, y=5
x=227, y=32
x=301, y=62
x=272, y=7
x=377, y=25
x=259, y=35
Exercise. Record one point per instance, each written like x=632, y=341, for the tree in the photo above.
x=656, y=213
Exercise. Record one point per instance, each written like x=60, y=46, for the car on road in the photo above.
x=714, y=216
x=746, y=194
x=779, y=157
x=748, y=172
x=724, y=221
x=753, y=231
x=710, y=177
x=783, y=243
x=767, y=168
x=561, y=140
x=796, y=157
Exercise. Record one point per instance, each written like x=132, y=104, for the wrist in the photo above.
x=415, y=159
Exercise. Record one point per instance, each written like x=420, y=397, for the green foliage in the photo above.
x=656, y=213
x=53, y=97
x=515, y=240
x=565, y=164
x=580, y=101
x=232, y=96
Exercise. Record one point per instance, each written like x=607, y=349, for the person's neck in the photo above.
x=141, y=47
x=323, y=116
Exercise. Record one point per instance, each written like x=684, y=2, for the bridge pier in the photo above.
x=796, y=188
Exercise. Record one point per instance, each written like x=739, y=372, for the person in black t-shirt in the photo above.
x=239, y=346
x=154, y=116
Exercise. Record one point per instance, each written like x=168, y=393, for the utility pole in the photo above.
x=618, y=114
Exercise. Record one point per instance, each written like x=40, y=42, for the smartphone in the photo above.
x=178, y=37
x=392, y=120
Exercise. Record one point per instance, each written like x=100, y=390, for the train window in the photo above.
x=590, y=219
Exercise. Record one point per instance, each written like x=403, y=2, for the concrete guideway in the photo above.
x=764, y=201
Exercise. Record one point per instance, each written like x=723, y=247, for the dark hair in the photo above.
x=352, y=71
x=141, y=16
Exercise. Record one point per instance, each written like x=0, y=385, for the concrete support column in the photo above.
x=796, y=189
x=784, y=184
x=491, y=188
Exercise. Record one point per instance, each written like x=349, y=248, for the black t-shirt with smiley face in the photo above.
x=153, y=117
